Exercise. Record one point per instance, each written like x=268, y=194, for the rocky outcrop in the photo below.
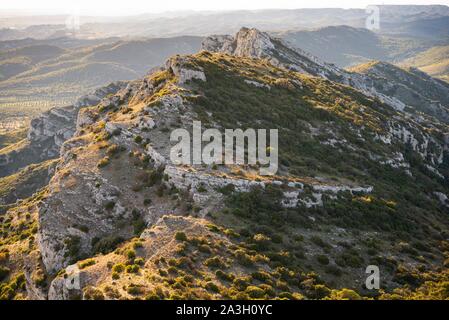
x=184, y=74
x=59, y=124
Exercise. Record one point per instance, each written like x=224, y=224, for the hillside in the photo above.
x=24, y=183
x=347, y=46
x=433, y=27
x=434, y=61
x=376, y=84
x=417, y=90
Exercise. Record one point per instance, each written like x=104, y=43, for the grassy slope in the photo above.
x=24, y=183
x=434, y=61
x=10, y=137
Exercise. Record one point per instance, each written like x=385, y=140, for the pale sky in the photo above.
x=130, y=7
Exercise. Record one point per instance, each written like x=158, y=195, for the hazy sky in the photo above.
x=127, y=7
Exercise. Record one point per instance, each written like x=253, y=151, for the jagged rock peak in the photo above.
x=246, y=43
x=257, y=44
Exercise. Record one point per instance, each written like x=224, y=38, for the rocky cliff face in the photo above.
x=419, y=92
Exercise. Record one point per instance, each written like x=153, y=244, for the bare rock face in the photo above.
x=58, y=124
x=177, y=66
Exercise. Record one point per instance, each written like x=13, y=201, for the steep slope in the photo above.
x=344, y=45
x=434, y=61
x=347, y=46
x=47, y=133
x=419, y=91
x=253, y=43
x=24, y=183
x=348, y=164
x=10, y=136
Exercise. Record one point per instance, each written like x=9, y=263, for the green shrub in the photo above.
x=138, y=139
x=224, y=276
x=113, y=150
x=87, y=263
x=334, y=270
x=262, y=276
x=255, y=292
x=241, y=283
x=322, y=259
x=130, y=254
x=135, y=289
x=73, y=246
x=103, y=162
x=243, y=258
x=119, y=268
x=180, y=236
x=91, y=293
x=106, y=245
x=134, y=268
x=215, y=263
x=4, y=272
x=212, y=287
x=139, y=226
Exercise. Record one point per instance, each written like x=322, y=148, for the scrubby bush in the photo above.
x=103, y=162
x=4, y=272
x=106, y=244
x=224, y=276
x=87, y=263
x=262, y=276
x=215, y=263
x=243, y=258
x=135, y=289
x=134, y=268
x=322, y=259
x=212, y=287
x=130, y=254
x=119, y=268
x=180, y=236
x=255, y=292
x=91, y=293
x=138, y=139
x=112, y=150
x=344, y=294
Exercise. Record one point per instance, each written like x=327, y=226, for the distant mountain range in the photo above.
x=408, y=18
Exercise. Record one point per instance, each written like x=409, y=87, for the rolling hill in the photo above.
x=434, y=61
